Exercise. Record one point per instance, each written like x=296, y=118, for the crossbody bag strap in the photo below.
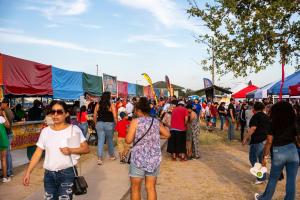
x=144, y=134
x=75, y=172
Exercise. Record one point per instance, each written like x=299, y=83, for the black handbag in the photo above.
x=128, y=158
x=79, y=184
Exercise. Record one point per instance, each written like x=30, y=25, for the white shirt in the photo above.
x=2, y=120
x=51, y=141
x=129, y=109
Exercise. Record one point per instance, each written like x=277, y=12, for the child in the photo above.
x=3, y=146
x=121, y=128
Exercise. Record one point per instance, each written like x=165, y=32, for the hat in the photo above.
x=122, y=115
x=181, y=103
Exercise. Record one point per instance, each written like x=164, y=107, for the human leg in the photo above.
x=65, y=182
x=222, y=119
x=3, y=163
x=8, y=157
x=50, y=186
x=150, y=183
x=109, y=134
x=101, y=139
x=136, y=188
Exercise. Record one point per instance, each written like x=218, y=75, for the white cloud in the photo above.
x=52, y=26
x=166, y=12
x=154, y=38
x=91, y=26
x=51, y=8
x=23, y=39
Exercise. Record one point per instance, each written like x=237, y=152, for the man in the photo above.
x=177, y=141
x=259, y=127
x=222, y=114
x=10, y=116
x=35, y=113
x=231, y=119
x=214, y=113
x=129, y=109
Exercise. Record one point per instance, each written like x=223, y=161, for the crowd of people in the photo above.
x=271, y=130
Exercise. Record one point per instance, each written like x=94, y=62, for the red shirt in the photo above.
x=213, y=111
x=121, y=127
x=178, y=118
x=83, y=117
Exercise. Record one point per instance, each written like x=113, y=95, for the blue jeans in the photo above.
x=283, y=156
x=58, y=185
x=256, y=155
x=84, y=128
x=105, y=130
x=230, y=129
x=222, y=119
x=8, y=156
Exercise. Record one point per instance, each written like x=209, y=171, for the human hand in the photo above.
x=233, y=120
x=244, y=142
x=264, y=162
x=66, y=150
x=26, y=179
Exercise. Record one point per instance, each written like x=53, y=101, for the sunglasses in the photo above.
x=59, y=112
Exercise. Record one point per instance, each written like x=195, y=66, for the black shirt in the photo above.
x=263, y=127
x=280, y=138
x=231, y=107
x=222, y=109
x=35, y=114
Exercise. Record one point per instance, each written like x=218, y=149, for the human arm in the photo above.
x=267, y=148
x=6, y=123
x=131, y=131
x=232, y=115
x=114, y=112
x=164, y=132
x=96, y=113
x=247, y=136
x=33, y=162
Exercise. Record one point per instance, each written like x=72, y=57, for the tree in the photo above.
x=248, y=35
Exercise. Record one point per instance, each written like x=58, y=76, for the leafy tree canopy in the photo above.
x=247, y=35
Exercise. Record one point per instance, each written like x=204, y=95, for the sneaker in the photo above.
x=259, y=182
x=99, y=162
x=6, y=180
x=256, y=196
x=112, y=158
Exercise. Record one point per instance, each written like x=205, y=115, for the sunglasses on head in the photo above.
x=58, y=111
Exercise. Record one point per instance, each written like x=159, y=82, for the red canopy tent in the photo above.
x=243, y=92
x=294, y=90
x=24, y=77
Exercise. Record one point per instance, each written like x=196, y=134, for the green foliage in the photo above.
x=247, y=35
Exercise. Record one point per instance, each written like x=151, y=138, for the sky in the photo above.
x=125, y=38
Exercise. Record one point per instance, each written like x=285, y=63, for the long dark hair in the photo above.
x=143, y=105
x=65, y=107
x=282, y=116
x=104, y=103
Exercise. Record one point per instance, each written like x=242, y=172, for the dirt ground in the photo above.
x=221, y=173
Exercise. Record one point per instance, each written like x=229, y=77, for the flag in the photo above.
x=150, y=83
x=207, y=83
x=169, y=86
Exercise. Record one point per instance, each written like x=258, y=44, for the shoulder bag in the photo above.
x=128, y=158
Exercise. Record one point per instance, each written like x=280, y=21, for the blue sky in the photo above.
x=124, y=37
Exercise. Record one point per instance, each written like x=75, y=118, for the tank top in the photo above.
x=105, y=115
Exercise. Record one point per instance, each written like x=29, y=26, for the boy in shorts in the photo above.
x=121, y=128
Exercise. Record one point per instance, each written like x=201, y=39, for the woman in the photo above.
x=19, y=113
x=62, y=143
x=105, y=118
x=4, y=145
x=146, y=155
x=194, y=127
x=283, y=137
x=82, y=118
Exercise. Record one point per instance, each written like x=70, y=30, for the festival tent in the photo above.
x=66, y=84
x=251, y=95
x=243, y=92
x=290, y=80
x=24, y=77
x=262, y=93
x=294, y=90
x=122, y=89
x=92, y=84
x=131, y=89
x=139, y=90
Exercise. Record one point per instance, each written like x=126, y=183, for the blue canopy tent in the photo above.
x=131, y=89
x=66, y=84
x=290, y=80
x=262, y=92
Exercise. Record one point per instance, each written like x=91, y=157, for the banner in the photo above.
x=169, y=86
x=207, y=83
x=122, y=89
x=26, y=135
x=150, y=83
x=131, y=89
x=110, y=84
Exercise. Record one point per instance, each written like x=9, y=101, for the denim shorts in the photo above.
x=140, y=173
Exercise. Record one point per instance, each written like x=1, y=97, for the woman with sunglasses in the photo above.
x=63, y=143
